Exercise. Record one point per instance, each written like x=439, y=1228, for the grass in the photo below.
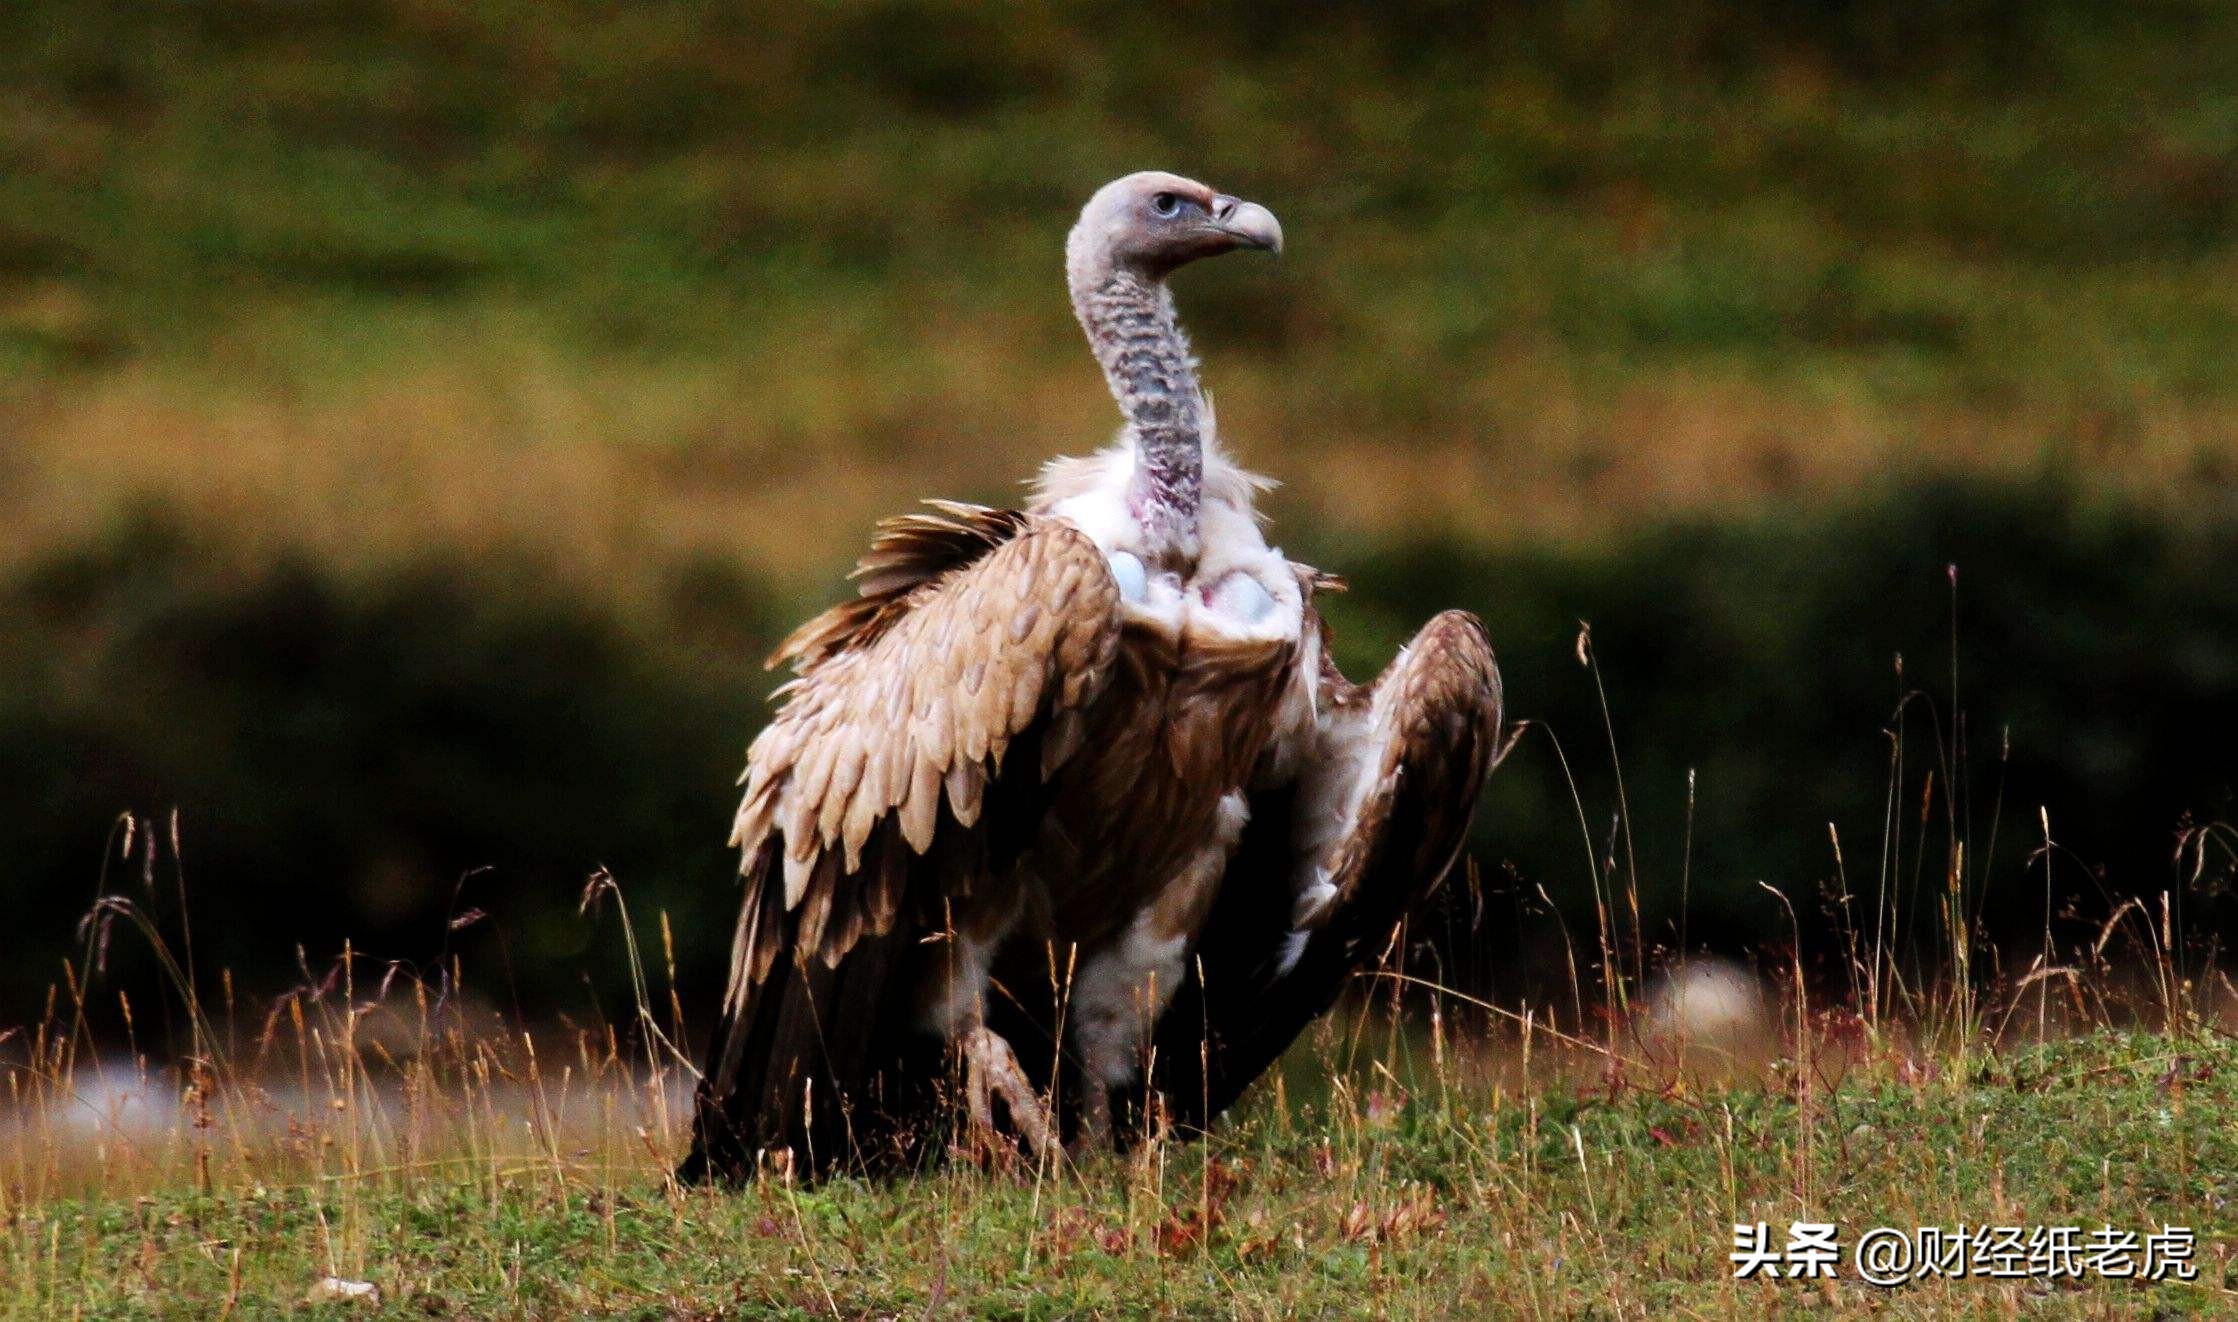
x=1422, y=1153
x=364, y=276
x=1551, y=1192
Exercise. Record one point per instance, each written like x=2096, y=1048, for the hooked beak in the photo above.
x=1248, y=223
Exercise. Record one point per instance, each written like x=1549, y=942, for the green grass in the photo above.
x=1904, y=191
x=1559, y=1196
x=1551, y=267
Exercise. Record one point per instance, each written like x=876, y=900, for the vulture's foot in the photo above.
x=1094, y=1138
x=991, y=1070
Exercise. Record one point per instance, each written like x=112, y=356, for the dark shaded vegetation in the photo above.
x=1948, y=663
x=343, y=752
x=365, y=760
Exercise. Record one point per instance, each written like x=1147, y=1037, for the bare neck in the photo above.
x=1130, y=324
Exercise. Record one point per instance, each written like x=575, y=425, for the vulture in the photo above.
x=1068, y=808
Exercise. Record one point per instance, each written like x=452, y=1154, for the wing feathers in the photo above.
x=1062, y=739
x=921, y=809
x=975, y=628
x=1372, y=823
x=905, y=554
x=798, y=864
x=1428, y=737
x=965, y=783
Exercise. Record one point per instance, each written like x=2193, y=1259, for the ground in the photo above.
x=1559, y=1197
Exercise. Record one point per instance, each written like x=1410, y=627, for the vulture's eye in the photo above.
x=1166, y=204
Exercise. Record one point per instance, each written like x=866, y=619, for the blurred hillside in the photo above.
x=415, y=418
x=603, y=278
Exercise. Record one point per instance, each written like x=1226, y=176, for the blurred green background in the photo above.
x=417, y=419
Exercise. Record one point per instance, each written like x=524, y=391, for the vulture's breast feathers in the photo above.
x=1238, y=591
x=1217, y=683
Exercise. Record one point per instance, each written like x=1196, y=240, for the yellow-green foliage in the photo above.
x=1551, y=1192
x=367, y=273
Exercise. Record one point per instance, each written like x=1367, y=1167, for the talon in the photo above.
x=990, y=1070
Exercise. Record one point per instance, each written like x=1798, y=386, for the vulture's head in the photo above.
x=1152, y=222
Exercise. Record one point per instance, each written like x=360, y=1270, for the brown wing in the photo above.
x=905, y=712
x=908, y=552
x=882, y=801
x=1370, y=826
x=1412, y=748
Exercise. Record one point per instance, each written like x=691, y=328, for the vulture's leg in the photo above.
x=957, y=1008
x=1126, y=986
x=991, y=1070
x=1109, y=1037
x=1095, y=1121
